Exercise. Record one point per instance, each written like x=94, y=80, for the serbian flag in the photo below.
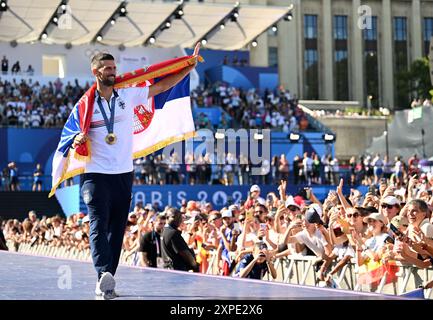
x=162, y=120
x=372, y=272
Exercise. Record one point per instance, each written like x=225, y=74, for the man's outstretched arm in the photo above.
x=172, y=80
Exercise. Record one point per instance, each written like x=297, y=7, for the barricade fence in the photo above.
x=295, y=269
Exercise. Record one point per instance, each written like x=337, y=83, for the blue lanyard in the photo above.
x=108, y=124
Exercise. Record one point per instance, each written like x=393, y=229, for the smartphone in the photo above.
x=307, y=193
x=263, y=226
x=249, y=215
x=395, y=230
x=270, y=198
x=236, y=227
x=372, y=190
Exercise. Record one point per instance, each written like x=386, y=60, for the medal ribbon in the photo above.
x=108, y=124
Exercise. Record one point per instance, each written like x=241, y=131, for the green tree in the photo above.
x=420, y=78
x=414, y=82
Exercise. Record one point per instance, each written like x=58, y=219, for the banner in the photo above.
x=128, y=62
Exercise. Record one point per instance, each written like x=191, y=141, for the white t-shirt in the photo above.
x=316, y=243
x=115, y=158
x=308, y=163
x=377, y=242
x=427, y=228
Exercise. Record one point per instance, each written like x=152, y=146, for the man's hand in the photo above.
x=172, y=80
x=196, y=49
x=340, y=187
x=79, y=140
x=282, y=189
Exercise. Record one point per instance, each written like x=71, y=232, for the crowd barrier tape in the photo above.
x=291, y=269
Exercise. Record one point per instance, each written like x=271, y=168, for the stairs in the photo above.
x=17, y=204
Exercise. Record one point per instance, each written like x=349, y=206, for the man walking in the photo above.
x=106, y=184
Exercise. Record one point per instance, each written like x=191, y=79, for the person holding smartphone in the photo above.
x=255, y=265
x=254, y=197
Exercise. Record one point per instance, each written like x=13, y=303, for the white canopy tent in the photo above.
x=25, y=21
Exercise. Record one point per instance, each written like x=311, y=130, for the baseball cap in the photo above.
x=375, y=216
x=148, y=206
x=227, y=214
x=234, y=207
x=255, y=188
x=317, y=208
x=214, y=215
x=132, y=214
x=85, y=219
x=391, y=200
x=291, y=202
x=399, y=221
x=134, y=229
x=312, y=216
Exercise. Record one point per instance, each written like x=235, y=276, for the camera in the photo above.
x=395, y=230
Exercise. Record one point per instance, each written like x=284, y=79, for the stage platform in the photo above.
x=28, y=277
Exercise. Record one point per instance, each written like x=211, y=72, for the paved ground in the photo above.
x=27, y=277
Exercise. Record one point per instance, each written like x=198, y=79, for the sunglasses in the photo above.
x=259, y=212
x=350, y=215
x=371, y=221
x=292, y=208
x=389, y=206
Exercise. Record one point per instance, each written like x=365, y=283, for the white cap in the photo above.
x=85, y=219
x=317, y=208
x=391, y=200
x=261, y=201
x=255, y=188
x=234, y=207
x=227, y=214
x=132, y=213
x=375, y=216
x=291, y=202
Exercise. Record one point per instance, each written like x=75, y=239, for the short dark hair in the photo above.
x=100, y=56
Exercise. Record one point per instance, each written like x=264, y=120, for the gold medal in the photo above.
x=110, y=138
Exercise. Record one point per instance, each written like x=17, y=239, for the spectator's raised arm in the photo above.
x=343, y=200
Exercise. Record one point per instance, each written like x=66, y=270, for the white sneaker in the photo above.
x=106, y=284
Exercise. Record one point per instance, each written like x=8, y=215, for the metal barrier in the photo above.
x=291, y=269
x=300, y=270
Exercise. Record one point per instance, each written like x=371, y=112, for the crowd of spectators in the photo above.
x=229, y=169
x=249, y=109
x=30, y=104
x=27, y=103
x=381, y=226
